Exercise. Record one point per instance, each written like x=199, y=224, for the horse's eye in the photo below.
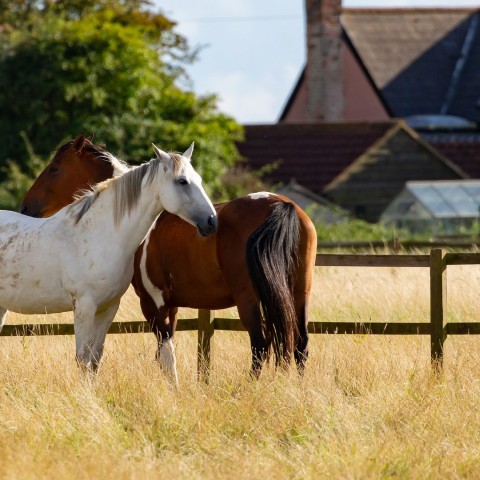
x=182, y=181
x=53, y=168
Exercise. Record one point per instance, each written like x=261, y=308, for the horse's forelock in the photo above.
x=97, y=149
x=177, y=162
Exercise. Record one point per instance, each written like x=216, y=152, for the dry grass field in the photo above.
x=368, y=406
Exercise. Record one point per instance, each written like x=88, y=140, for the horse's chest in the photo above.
x=106, y=278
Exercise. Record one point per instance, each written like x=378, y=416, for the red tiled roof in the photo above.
x=312, y=154
x=461, y=148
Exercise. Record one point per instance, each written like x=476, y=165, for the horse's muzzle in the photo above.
x=208, y=227
x=31, y=212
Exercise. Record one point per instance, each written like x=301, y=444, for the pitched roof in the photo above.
x=322, y=155
x=312, y=154
x=369, y=157
x=422, y=61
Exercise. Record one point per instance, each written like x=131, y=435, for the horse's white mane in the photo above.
x=119, y=166
x=126, y=187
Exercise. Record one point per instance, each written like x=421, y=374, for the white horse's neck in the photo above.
x=128, y=231
x=134, y=226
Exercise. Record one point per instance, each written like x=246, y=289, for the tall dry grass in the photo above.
x=367, y=407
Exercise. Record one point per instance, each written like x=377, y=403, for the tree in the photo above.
x=112, y=68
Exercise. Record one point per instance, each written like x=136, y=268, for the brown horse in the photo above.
x=261, y=259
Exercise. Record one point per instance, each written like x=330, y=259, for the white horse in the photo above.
x=81, y=258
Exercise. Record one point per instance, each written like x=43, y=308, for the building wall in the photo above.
x=360, y=100
x=298, y=106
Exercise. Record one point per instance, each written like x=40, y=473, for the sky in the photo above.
x=252, y=51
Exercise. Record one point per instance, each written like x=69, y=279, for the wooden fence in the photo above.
x=396, y=245
x=206, y=323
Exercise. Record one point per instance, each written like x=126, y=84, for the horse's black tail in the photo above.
x=272, y=259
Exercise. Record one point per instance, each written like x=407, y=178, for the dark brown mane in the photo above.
x=98, y=150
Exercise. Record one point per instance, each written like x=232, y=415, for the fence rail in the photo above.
x=206, y=323
x=397, y=244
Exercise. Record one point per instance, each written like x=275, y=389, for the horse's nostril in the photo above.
x=23, y=209
x=212, y=220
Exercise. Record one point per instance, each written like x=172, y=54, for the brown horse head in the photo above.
x=76, y=166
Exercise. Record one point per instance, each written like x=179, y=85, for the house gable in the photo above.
x=369, y=184
x=362, y=101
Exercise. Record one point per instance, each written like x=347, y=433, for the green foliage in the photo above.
x=240, y=180
x=101, y=67
x=352, y=229
x=18, y=181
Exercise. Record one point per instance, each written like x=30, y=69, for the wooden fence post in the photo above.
x=205, y=333
x=438, y=302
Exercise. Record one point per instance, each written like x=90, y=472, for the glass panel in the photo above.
x=432, y=200
x=449, y=199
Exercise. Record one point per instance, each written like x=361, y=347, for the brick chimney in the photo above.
x=324, y=72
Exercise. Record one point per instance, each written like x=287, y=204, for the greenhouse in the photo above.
x=440, y=207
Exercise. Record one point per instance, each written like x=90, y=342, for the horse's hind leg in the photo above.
x=303, y=282
x=301, y=295
x=250, y=316
x=91, y=327
x=301, y=345
x=3, y=316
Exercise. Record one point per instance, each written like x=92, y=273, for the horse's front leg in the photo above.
x=91, y=327
x=165, y=324
x=3, y=316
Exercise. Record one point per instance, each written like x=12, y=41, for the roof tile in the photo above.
x=312, y=154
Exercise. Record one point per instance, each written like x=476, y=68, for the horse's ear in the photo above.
x=90, y=137
x=188, y=152
x=161, y=155
x=79, y=142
